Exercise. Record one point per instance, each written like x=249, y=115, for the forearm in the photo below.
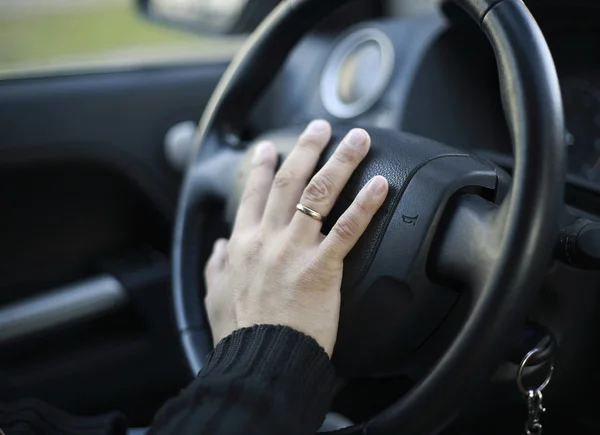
x=261, y=380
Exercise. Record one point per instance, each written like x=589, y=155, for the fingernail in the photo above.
x=318, y=126
x=357, y=137
x=378, y=185
x=263, y=151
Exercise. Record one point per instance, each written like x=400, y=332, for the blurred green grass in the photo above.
x=36, y=38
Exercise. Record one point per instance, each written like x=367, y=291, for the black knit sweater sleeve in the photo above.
x=261, y=380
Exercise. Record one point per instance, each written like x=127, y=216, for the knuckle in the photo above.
x=347, y=228
x=319, y=189
x=236, y=244
x=283, y=252
x=362, y=207
x=345, y=156
x=282, y=255
x=250, y=194
x=221, y=244
x=311, y=141
x=283, y=178
x=254, y=248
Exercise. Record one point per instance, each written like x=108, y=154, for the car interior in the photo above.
x=114, y=194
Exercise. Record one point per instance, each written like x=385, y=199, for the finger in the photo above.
x=353, y=223
x=295, y=173
x=325, y=187
x=217, y=260
x=256, y=193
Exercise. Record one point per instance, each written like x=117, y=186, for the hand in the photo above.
x=278, y=268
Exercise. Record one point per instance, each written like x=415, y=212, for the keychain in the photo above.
x=534, y=397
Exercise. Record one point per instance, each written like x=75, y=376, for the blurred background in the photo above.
x=50, y=36
x=72, y=34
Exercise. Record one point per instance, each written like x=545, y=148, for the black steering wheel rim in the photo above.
x=526, y=223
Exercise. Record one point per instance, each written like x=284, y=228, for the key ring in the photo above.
x=522, y=366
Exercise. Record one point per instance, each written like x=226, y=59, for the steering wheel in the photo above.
x=449, y=218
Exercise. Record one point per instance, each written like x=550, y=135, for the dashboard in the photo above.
x=437, y=78
x=480, y=120
x=581, y=97
x=579, y=72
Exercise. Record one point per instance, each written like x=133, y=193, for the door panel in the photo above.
x=86, y=192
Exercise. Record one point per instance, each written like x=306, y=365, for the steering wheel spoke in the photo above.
x=467, y=246
x=213, y=177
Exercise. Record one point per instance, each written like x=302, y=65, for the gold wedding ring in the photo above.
x=309, y=212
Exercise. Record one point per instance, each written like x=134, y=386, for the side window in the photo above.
x=46, y=37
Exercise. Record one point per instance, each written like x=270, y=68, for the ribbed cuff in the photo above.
x=290, y=363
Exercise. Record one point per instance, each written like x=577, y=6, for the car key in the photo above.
x=534, y=397
x=534, y=411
